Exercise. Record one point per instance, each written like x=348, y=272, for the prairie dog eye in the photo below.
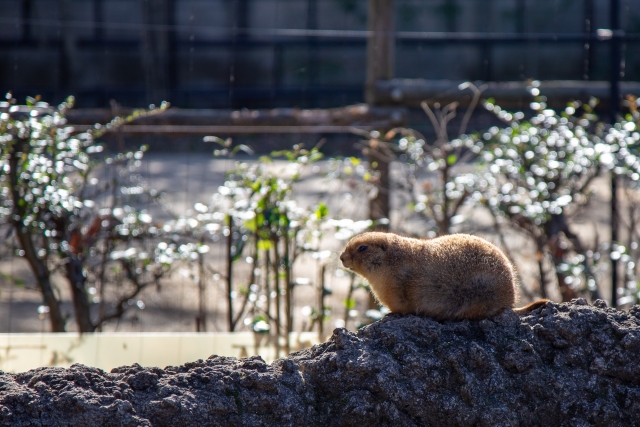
x=362, y=248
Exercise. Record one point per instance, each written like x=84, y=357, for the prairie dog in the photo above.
x=451, y=277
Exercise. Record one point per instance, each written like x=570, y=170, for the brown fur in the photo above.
x=531, y=306
x=457, y=276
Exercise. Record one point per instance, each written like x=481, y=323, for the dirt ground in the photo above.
x=190, y=178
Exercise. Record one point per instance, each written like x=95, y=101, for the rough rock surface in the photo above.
x=562, y=365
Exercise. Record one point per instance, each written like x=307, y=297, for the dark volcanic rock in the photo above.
x=562, y=365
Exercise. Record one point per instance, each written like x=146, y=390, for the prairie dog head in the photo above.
x=366, y=253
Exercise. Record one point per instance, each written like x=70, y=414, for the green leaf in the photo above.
x=451, y=159
x=255, y=187
x=251, y=225
x=349, y=303
x=260, y=318
x=362, y=285
x=314, y=157
x=242, y=147
x=215, y=139
x=290, y=155
x=265, y=245
x=321, y=211
x=9, y=278
x=283, y=220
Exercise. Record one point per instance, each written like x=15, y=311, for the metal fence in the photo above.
x=307, y=53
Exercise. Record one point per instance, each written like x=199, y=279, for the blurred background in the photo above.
x=217, y=155
x=293, y=53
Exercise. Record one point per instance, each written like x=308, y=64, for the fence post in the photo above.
x=614, y=99
x=589, y=47
x=380, y=66
x=26, y=20
x=98, y=20
x=68, y=48
x=230, y=273
x=156, y=49
x=380, y=45
x=312, y=51
x=239, y=27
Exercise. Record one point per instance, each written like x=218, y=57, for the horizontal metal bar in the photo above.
x=407, y=39
x=230, y=130
x=257, y=36
x=236, y=33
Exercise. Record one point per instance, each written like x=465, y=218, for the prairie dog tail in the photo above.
x=531, y=306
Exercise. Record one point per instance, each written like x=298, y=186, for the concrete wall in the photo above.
x=190, y=54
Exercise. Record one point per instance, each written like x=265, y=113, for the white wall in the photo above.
x=22, y=352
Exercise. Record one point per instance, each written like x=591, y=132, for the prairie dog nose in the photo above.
x=342, y=256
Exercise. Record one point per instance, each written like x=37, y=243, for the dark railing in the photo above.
x=238, y=39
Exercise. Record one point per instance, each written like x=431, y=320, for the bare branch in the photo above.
x=120, y=305
x=465, y=194
x=477, y=92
